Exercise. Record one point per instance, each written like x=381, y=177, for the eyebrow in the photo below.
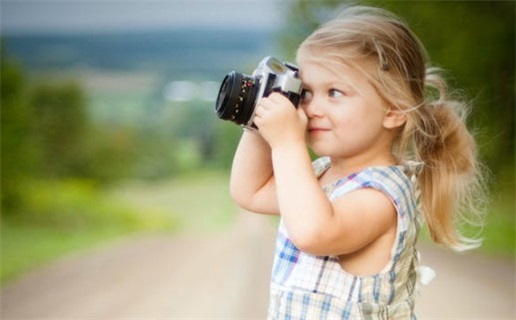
x=345, y=85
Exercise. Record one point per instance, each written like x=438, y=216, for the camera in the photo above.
x=239, y=93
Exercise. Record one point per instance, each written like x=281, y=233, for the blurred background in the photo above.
x=107, y=111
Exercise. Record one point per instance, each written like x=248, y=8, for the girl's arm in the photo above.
x=321, y=227
x=315, y=224
x=252, y=183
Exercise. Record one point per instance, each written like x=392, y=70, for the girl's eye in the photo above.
x=334, y=93
x=306, y=95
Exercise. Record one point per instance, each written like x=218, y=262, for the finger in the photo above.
x=261, y=108
x=258, y=120
x=264, y=102
x=278, y=97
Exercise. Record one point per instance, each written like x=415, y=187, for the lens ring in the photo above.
x=236, y=98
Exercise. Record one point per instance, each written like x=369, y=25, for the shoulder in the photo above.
x=364, y=216
x=397, y=184
x=395, y=181
x=367, y=201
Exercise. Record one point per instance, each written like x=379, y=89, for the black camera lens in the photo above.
x=236, y=98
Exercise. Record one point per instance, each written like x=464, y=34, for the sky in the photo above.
x=21, y=16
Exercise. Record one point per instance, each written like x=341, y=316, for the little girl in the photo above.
x=391, y=153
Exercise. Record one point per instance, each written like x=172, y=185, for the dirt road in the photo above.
x=224, y=276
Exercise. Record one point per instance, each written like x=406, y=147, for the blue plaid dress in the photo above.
x=304, y=286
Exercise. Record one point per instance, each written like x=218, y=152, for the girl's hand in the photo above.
x=279, y=122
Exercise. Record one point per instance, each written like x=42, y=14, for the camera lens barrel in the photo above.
x=239, y=93
x=236, y=98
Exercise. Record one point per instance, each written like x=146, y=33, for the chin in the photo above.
x=320, y=152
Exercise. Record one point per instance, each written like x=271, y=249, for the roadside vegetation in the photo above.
x=66, y=216
x=65, y=175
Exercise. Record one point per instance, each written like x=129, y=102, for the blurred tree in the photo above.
x=226, y=137
x=70, y=144
x=17, y=157
x=60, y=127
x=46, y=133
x=474, y=40
x=109, y=153
x=303, y=17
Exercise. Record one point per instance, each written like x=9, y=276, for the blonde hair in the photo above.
x=380, y=45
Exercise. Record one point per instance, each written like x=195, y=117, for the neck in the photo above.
x=346, y=166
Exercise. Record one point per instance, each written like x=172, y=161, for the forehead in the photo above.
x=316, y=70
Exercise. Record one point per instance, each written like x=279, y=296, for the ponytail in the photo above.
x=451, y=181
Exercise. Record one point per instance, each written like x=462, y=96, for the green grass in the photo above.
x=499, y=232
x=25, y=246
x=200, y=200
x=60, y=217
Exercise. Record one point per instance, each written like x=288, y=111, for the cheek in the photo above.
x=346, y=118
x=358, y=126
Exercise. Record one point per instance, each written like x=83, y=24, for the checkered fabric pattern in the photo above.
x=304, y=286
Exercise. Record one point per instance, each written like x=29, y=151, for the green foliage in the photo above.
x=109, y=153
x=303, y=17
x=475, y=41
x=60, y=124
x=68, y=143
x=17, y=158
x=226, y=140
x=47, y=133
x=498, y=233
x=72, y=204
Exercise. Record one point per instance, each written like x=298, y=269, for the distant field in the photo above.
x=133, y=97
x=119, y=97
x=199, y=201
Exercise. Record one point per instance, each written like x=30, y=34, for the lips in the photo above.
x=317, y=129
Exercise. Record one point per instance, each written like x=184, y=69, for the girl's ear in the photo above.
x=394, y=119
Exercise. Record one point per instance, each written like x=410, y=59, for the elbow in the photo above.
x=309, y=240
x=238, y=196
x=253, y=199
x=243, y=199
x=319, y=240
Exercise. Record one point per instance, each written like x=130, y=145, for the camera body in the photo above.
x=239, y=93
